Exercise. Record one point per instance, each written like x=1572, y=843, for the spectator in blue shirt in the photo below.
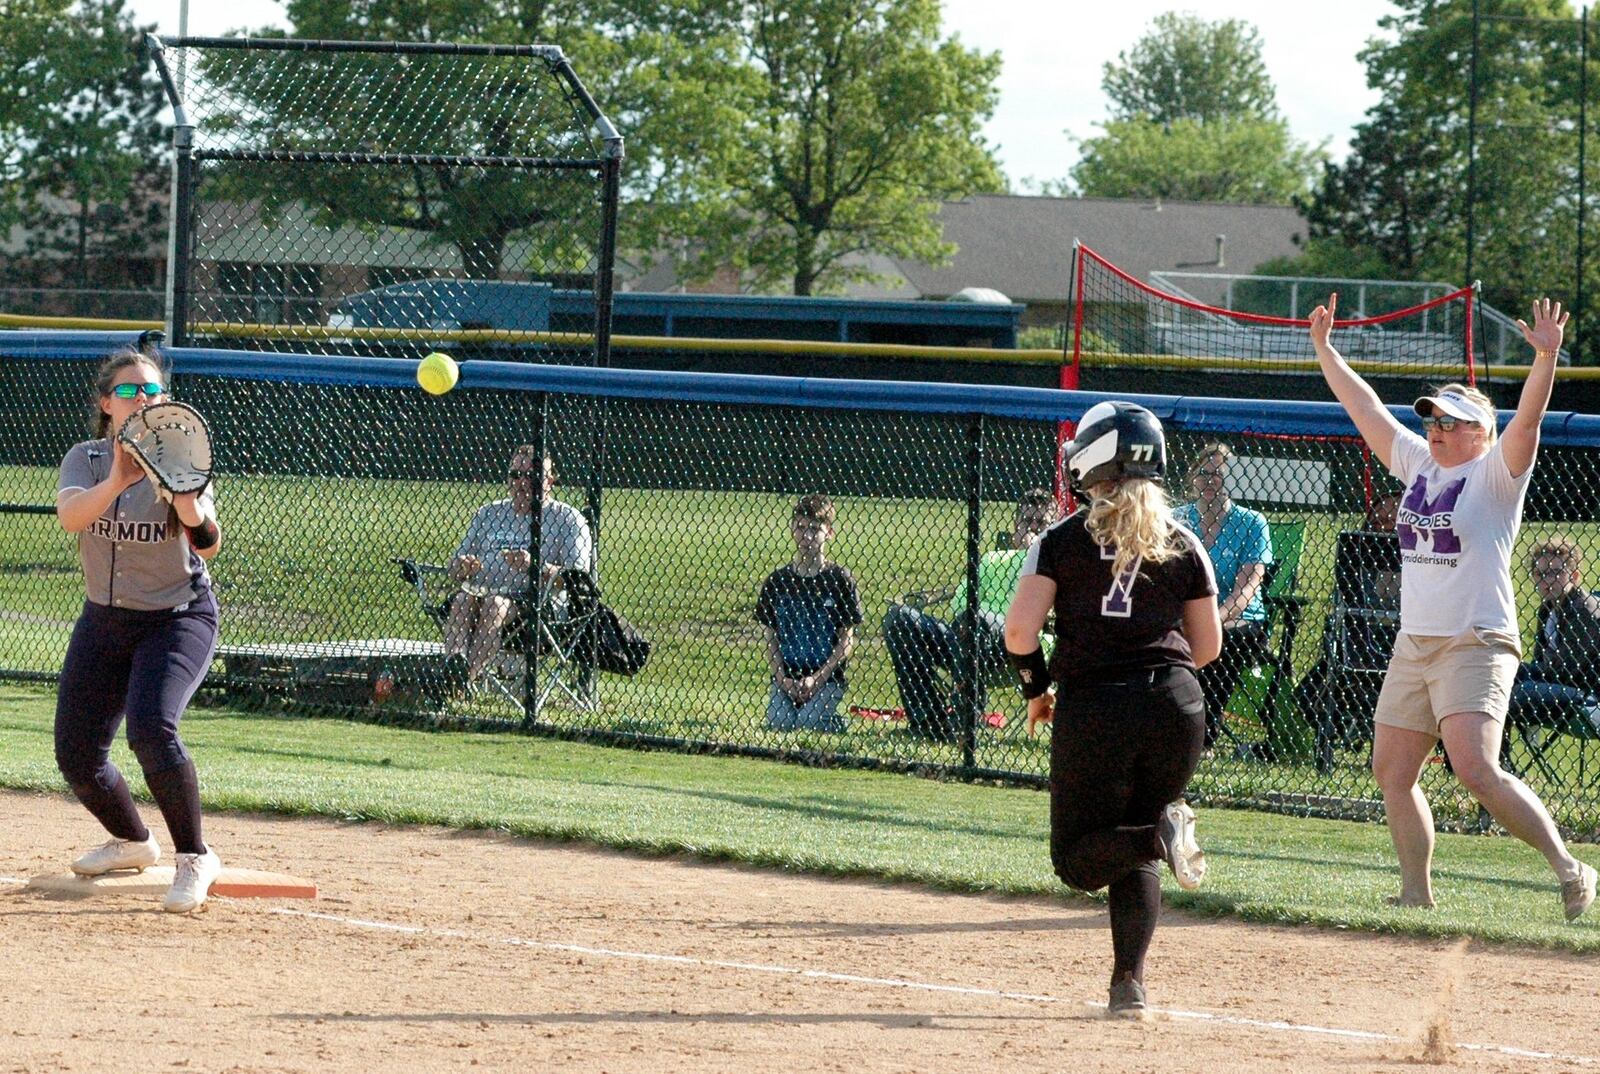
x=1239, y=543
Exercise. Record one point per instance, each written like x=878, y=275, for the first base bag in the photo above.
x=172, y=445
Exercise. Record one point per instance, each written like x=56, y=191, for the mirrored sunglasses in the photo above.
x=1445, y=422
x=151, y=388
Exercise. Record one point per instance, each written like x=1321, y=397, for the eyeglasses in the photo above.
x=1209, y=474
x=1447, y=423
x=150, y=388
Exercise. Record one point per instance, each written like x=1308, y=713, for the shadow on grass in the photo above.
x=1388, y=868
x=335, y=759
x=827, y=809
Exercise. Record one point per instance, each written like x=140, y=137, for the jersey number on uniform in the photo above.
x=1118, y=601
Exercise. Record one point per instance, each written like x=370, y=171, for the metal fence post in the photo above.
x=1583, y=132
x=530, y=680
x=972, y=692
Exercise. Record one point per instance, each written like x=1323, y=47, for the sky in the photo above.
x=1053, y=53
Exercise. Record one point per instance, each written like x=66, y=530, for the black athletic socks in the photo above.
x=177, y=792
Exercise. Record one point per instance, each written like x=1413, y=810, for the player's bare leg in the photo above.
x=1397, y=758
x=1473, y=742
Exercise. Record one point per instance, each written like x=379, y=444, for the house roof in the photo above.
x=1022, y=245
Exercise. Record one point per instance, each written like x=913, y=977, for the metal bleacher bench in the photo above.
x=353, y=672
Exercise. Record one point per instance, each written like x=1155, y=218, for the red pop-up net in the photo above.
x=1120, y=321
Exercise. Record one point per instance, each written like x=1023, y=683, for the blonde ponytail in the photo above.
x=1134, y=517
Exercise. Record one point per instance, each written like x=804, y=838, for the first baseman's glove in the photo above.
x=172, y=445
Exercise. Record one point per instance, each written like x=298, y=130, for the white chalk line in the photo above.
x=921, y=986
x=12, y=880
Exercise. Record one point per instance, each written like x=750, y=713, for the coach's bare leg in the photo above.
x=1473, y=741
x=1397, y=758
x=493, y=612
x=458, y=624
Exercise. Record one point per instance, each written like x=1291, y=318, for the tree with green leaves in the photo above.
x=846, y=123
x=79, y=147
x=779, y=139
x=1187, y=68
x=1233, y=160
x=93, y=170
x=1402, y=192
x=25, y=27
x=1194, y=117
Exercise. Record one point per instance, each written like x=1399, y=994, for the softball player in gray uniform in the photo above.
x=144, y=641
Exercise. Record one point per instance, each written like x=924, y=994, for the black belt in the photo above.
x=1131, y=677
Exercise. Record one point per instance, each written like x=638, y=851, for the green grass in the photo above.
x=957, y=836
x=308, y=559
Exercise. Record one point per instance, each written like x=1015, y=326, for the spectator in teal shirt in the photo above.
x=1239, y=542
x=924, y=648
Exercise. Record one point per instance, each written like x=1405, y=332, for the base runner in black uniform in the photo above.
x=1136, y=612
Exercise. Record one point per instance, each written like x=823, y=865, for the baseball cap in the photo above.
x=1455, y=405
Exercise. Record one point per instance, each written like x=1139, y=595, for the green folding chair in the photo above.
x=1259, y=721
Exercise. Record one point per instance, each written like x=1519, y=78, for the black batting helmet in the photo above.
x=1115, y=440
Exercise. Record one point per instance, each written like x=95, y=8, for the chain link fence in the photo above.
x=348, y=495
x=375, y=198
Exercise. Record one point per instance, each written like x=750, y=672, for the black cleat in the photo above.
x=1127, y=1000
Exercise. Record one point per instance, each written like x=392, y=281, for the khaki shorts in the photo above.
x=1432, y=677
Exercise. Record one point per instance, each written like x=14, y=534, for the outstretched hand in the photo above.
x=1548, y=325
x=1322, y=321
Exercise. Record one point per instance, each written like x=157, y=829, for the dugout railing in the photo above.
x=329, y=469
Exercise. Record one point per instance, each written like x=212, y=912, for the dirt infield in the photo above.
x=433, y=950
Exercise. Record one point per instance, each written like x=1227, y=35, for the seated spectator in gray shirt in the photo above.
x=492, y=563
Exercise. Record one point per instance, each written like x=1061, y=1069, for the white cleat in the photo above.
x=119, y=854
x=192, y=882
x=1577, y=894
x=1184, y=856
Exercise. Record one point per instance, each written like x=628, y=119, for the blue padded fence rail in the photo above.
x=1279, y=418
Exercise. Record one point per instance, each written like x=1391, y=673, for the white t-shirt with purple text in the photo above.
x=1457, y=527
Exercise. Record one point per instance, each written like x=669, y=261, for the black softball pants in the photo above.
x=145, y=666
x=1119, y=752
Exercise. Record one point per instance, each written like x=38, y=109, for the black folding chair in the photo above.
x=1357, y=640
x=562, y=641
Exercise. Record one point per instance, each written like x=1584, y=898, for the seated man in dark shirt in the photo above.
x=924, y=648
x=1556, y=687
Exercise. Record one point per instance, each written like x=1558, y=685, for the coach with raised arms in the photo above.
x=1455, y=659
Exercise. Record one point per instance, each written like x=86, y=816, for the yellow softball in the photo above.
x=438, y=373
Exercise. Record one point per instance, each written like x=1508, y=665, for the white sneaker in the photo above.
x=1577, y=894
x=1184, y=856
x=192, y=882
x=119, y=854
